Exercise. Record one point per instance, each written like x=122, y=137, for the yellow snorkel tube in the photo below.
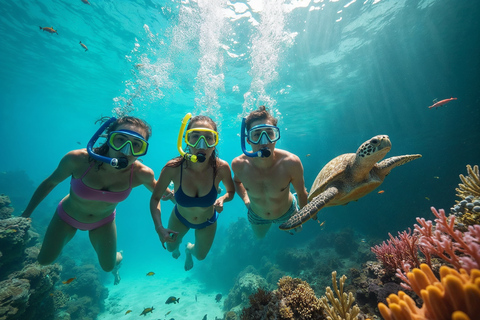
x=187, y=156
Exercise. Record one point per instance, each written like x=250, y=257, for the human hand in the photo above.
x=218, y=205
x=166, y=235
x=168, y=195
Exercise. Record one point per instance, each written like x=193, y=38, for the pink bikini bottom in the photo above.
x=81, y=225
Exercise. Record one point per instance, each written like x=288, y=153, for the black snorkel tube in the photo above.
x=118, y=163
x=262, y=153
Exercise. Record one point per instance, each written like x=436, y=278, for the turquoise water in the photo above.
x=336, y=73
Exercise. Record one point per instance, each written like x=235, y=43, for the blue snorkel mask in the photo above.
x=118, y=163
x=266, y=134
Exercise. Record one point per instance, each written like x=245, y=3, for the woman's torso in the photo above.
x=95, y=191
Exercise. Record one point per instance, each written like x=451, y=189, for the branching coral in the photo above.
x=471, y=183
x=339, y=308
x=398, y=250
x=462, y=250
x=456, y=296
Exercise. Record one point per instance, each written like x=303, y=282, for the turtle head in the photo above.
x=375, y=148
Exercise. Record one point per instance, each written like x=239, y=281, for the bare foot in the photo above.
x=189, y=258
x=115, y=272
x=176, y=253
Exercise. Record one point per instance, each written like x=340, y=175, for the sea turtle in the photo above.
x=349, y=177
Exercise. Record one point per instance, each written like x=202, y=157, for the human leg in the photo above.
x=58, y=234
x=104, y=241
x=203, y=242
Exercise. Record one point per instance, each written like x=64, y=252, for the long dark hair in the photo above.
x=177, y=161
x=103, y=149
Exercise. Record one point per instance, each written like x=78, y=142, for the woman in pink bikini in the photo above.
x=100, y=179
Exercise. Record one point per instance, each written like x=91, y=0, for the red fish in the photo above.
x=441, y=103
x=49, y=29
x=68, y=281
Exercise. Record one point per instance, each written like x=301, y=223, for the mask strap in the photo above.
x=118, y=163
x=262, y=153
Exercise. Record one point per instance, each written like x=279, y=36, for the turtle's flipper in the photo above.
x=310, y=210
x=387, y=165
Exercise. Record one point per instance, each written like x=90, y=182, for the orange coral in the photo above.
x=455, y=297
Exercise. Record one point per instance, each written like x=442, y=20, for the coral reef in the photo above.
x=340, y=307
x=246, y=284
x=30, y=291
x=24, y=285
x=462, y=250
x=15, y=237
x=471, y=183
x=398, y=250
x=467, y=209
x=6, y=208
x=294, y=299
x=455, y=296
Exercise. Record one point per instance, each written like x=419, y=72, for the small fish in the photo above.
x=218, y=297
x=204, y=317
x=441, y=103
x=147, y=310
x=436, y=177
x=83, y=46
x=308, y=155
x=173, y=300
x=139, y=65
x=128, y=311
x=69, y=280
x=79, y=143
x=166, y=314
x=85, y=1
x=49, y=29
x=427, y=198
x=195, y=298
x=381, y=191
x=150, y=273
x=362, y=240
x=321, y=223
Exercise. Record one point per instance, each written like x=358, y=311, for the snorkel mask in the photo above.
x=198, y=138
x=261, y=134
x=118, y=141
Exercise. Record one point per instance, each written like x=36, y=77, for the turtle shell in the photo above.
x=333, y=170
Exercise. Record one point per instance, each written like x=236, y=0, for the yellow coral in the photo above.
x=471, y=183
x=340, y=309
x=455, y=297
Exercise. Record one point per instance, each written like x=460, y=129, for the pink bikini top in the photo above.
x=85, y=192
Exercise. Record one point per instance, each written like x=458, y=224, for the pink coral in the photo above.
x=398, y=251
x=462, y=250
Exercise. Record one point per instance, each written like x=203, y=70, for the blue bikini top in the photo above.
x=187, y=201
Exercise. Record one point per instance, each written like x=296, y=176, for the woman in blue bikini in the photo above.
x=96, y=189
x=196, y=183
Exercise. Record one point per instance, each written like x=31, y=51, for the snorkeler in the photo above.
x=100, y=179
x=196, y=175
x=263, y=177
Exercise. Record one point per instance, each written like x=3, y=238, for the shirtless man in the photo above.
x=263, y=183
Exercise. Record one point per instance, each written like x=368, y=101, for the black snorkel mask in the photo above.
x=118, y=163
x=262, y=153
